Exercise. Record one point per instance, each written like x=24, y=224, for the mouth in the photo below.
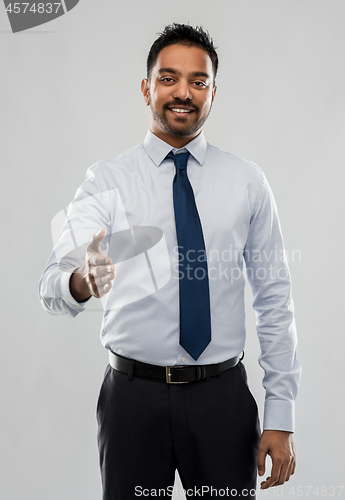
x=181, y=112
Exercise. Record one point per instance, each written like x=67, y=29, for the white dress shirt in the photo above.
x=131, y=196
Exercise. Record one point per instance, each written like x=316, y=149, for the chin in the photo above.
x=181, y=131
x=175, y=128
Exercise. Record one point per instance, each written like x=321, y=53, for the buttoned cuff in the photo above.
x=279, y=415
x=65, y=294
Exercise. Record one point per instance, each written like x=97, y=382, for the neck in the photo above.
x=173, y=140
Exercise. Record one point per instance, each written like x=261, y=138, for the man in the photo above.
x=174, y=395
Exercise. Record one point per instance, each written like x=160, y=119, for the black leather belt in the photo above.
x=170, y=374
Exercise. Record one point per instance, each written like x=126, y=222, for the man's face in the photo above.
x=180, y=93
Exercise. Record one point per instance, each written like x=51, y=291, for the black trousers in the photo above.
x=208, y=430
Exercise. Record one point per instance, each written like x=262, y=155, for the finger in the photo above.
x=274, y=477
x=95, y=243
x=290, y=469
x=104, y=289
x=283, y=473
x=97, y=259
x=98, y=289
x=107, y=288
x=293, y=468
x=102, y=275
x=105, y=270
x=99, y=276
x=103, y=280
x=261, y=460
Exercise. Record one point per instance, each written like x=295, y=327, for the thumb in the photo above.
x=261, y=460
x=95, y=244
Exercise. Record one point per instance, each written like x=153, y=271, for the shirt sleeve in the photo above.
x=86, y=215
x=269, y=278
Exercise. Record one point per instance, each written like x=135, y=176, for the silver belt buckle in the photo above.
x=168, y=376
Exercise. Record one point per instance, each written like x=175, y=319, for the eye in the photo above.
x=200, y=84
x=166, y=79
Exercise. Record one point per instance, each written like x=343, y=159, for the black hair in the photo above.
x=182, y=34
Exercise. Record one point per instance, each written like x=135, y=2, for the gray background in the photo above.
x=70, y=95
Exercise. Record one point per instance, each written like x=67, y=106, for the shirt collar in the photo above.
x=158, y=149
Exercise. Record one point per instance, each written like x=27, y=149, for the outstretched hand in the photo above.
x=96, y=275
x=280, y=447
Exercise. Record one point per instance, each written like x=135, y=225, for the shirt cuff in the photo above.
x=279, y=415
x=66, y=295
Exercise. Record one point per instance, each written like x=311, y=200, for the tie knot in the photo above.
x=180, y=159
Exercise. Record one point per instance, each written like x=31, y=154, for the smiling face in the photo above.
x=180, y=93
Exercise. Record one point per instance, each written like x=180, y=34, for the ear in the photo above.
x=145, y=88
x=214, y=90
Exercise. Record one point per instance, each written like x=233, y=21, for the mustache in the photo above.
x=179, y=102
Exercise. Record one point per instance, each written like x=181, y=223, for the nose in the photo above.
x=182, y=90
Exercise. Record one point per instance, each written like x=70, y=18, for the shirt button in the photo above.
x=183, y=358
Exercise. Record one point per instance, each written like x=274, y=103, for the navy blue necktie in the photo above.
x=195, y=316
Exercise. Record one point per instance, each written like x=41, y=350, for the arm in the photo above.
x=63, y=286
x=269, y=277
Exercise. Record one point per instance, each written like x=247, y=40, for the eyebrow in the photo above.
x=175, y=72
